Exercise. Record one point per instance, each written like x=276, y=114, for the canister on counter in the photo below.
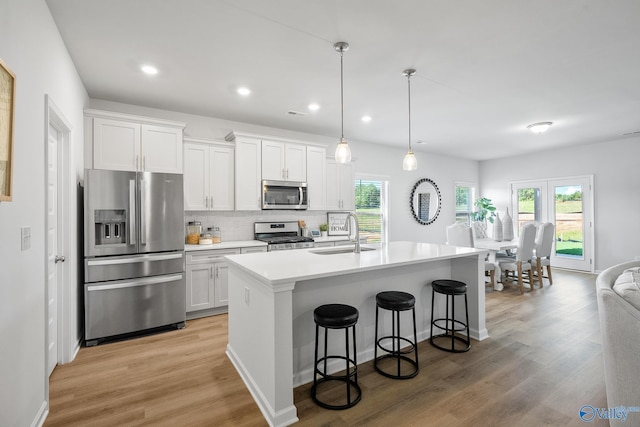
x=216, y=237
x=194, y=229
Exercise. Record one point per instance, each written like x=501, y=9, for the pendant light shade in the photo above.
x=343, y=153
x=409, y=163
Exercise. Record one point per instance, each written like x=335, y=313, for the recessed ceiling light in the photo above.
x=366, y=119
x=244, y=91
x=313, y=107
x=149, y=69
x=539, y=127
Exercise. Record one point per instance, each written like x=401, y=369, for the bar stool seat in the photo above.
x=450, y=288
x=396, y=301
x=336, y=316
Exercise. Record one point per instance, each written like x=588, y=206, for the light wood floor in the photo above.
x=542, y=362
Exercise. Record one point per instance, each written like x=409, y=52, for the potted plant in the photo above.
x=485, y=212
x=323, y=229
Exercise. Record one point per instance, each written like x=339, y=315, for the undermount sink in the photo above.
x=333, y=251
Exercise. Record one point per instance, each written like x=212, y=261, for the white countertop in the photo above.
x=225, y=245
x=289, y=266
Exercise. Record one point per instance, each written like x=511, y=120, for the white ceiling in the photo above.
x=485, y=69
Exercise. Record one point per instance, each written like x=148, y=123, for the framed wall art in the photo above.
x=7, y=105
x=337, y=223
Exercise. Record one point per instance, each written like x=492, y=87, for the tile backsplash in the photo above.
x=239, y=225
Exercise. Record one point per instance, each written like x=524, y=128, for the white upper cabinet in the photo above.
x=248, y=172
x=116, y=145
x=317, y=178
x=284, y=161
x=208, y=176
x=161, y=149
x=340, y=186
x=132, y=143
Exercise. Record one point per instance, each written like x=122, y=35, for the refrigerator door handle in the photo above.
x=143, y=213
x=133, y=260
x=132, y=284
x=132, y=212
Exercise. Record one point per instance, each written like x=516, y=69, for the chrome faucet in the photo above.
x=347, y=224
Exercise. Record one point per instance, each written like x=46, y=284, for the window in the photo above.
x=466, y=194
x=371, y=208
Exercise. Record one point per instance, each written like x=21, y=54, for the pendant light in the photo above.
x=343, y=153
x=409, y=163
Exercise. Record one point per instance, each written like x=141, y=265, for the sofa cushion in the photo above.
x=627, y=286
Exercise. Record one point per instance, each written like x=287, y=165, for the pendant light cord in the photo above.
x=341, y=99
x=409, y=89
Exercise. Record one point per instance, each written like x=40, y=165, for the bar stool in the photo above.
x=336, y=316
x=451, y=289
x=397, y=301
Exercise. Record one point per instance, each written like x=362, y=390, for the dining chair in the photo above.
x=522, y=260
x=542, y=257
x=459, y=234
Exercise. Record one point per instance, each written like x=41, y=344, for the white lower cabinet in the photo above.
x=207, y=285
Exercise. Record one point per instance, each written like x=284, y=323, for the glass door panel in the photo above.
x=529, y=203
x=571, y=213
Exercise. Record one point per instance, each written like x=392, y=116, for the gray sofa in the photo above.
x=619, y=311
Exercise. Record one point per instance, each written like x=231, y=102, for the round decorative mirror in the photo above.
x=425, y=201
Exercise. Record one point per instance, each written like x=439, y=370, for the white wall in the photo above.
x=368, y=159
x=616, y=172
x=31, y=46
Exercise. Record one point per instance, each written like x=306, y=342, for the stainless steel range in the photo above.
x=281, y=235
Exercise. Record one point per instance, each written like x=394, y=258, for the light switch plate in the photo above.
x=25, y=238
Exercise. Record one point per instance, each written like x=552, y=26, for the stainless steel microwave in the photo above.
x=284, y=195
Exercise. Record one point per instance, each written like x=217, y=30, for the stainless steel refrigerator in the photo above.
x=134, y=253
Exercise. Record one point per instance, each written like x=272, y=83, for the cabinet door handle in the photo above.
x=211, y=272
x=144, y=163
x=211, y=198
x=137, y=165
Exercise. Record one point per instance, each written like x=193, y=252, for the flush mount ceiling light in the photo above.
x=539, y=127
x=244, y=91
x=343, y=153
x=409, y=163
x=366, y=119
x=149, y=69
x=313, y=107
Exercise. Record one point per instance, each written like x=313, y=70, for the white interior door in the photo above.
x=52, y=249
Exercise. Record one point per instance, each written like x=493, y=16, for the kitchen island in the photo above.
x=272, y=297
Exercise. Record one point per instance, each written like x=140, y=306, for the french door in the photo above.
x=567, y=203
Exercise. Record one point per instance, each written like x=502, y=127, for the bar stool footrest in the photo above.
x=409, y=349
x=463, y=326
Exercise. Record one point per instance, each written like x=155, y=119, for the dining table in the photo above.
x=495, y=246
